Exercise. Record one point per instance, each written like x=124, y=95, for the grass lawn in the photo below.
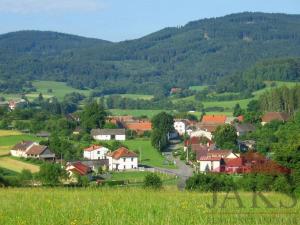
x=136, y=112
x=107, y=206
x=16, y=165
x=135, y=96
x=149, y=155
x=199, y=88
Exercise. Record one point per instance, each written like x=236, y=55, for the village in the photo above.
x=194, y=146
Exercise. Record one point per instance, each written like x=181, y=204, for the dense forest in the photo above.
x=208, y=51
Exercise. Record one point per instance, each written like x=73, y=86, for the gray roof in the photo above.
x=244, y=127
x=95, y=132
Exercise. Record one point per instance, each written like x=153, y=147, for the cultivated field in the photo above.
x=137, y=206
x=9, y=133
x=12, y=140
x=16, y=165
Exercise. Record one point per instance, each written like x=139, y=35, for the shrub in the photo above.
x=152, y=180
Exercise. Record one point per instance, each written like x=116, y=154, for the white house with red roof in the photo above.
x=122, y=159
x=95, y=152
x=214, y=160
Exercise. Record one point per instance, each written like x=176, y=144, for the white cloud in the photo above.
x=52, y=6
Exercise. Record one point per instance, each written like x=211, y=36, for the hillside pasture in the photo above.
x=14, y=139
x=59, y=89
x=105, y=206
x=136, y=112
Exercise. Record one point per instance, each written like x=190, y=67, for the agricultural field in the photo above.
x=135, y=96
x=8, y=138
x=199, y=88
x=12, y=140
x=59, y=90
x=135, y=112
x=120, y=206
x=16, y=165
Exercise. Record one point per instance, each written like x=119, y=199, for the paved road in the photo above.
x=183, y=171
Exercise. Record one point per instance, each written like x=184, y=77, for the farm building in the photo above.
x=108, y=134
x=28, y=149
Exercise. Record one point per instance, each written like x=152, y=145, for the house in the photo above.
x=122, y=159
x=14, y=104
x=19, y=150
x=180, y=126
x=205, y=130
x=210, y=164
x=77, y=168
x=246, y=145
x=244, y=128
x=28, y=149
x=95, y=152
x=272, y=116
x=175, y=90
x=214, y=119
x=140, y=126
x=73, y=117
x=108, y=134
x=214, y=160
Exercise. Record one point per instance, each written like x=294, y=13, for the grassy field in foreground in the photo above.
x=129, y=206
x=16, y=165
x=134, y=177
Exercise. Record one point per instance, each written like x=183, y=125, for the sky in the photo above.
x=118, y=20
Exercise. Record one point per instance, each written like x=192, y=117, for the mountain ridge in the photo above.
x=201, y=52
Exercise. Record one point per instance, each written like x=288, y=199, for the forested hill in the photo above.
x=201, y=52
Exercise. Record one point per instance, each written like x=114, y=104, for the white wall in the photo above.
x=202, y=133
x=96, y=154
x=108, y=137
x=204, y=164
x=180, y=127
x=128, y=164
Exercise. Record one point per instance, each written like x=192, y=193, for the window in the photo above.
x=131, y=159
x=124, y=167
x=131, y=166
x=98, y=152
x=124, y=159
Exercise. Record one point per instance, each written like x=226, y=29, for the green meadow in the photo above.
x=136, y=112
x=148, y=154
x=137, y=206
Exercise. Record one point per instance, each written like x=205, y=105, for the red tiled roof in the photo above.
x=210, y=158
x=219, y=153
x=270, y=116
x=237, y=162
x=80, y=168
x=240, y=118
x=122, y=153
x=214, y=119
x=92, y=148
x=139, y=126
